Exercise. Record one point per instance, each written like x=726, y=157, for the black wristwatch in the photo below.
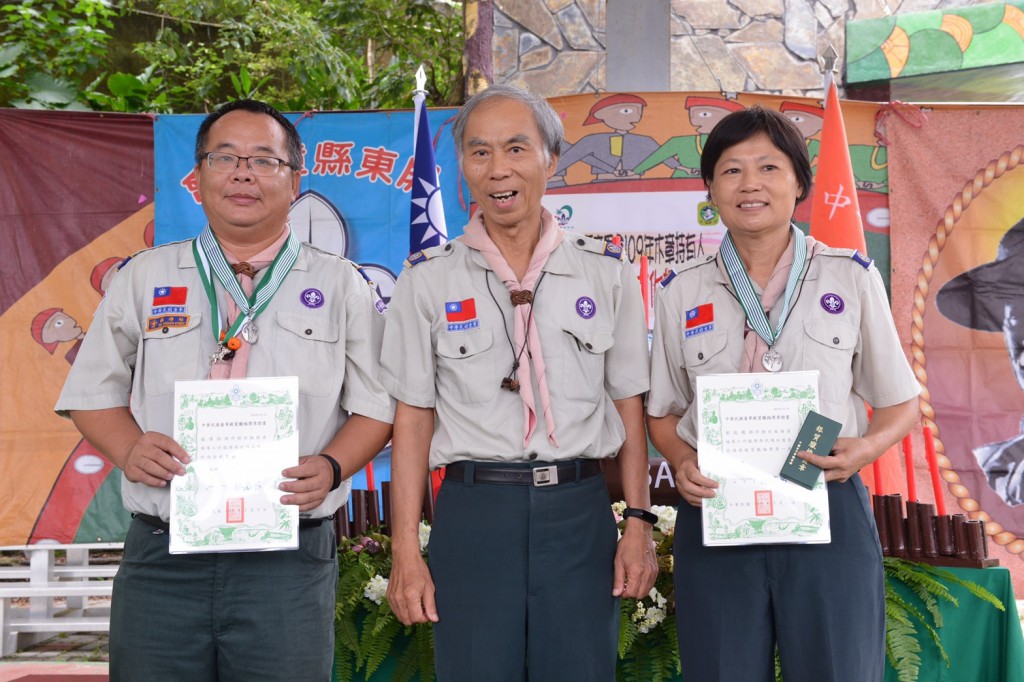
x=336, y=468
x=641, y=514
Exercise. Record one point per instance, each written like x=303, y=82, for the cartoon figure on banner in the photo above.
x=809, y=120
x=683, y=153
x=870, y=163
x=611, y=156
x=990, y=298
x=52, y=327
x=102, y=273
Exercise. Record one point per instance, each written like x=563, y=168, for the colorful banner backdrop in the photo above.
x=959, y=299
x=628, y=169
x=356, y=184
x=77, y=198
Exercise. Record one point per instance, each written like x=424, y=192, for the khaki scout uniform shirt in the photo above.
x=840, y=325
x=456, y=368
x=332, y=348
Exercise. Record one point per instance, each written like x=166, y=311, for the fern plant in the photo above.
x=903, y=617
x=366, y=631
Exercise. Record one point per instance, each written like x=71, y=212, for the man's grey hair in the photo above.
x=548, y=122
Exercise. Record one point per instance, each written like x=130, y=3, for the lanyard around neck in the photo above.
x=756, y=315
x=210, y=258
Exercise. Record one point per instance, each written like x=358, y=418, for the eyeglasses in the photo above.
x=222, y=162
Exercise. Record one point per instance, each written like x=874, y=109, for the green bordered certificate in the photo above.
x=746, y=425
x=240, y=434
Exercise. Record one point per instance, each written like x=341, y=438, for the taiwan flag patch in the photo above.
x=700, y=319
x=170, y=295
x=169, y=300
x=461, y=315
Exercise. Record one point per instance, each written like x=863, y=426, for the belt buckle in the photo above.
x=544, y=476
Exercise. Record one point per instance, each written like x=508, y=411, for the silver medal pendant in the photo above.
x=218, y=355
x=772, y=360
x=250, y=333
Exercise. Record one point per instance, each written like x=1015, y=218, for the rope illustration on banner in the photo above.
x=943, y=228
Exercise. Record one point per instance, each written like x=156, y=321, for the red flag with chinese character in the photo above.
x=836, y=221
x=835, y=212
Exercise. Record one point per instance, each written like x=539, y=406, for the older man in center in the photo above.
x=520, y=350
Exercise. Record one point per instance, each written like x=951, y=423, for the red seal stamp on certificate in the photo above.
x=763, y=503
x=234, y=510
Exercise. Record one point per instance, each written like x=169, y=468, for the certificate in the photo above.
x=746, y=425
x=240, y=435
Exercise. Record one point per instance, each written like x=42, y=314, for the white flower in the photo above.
x=618, y=508
x=376, y=589
x=424, y=536
x=666, y=518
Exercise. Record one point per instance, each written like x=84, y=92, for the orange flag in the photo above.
x=835, y=211
x=836, y=221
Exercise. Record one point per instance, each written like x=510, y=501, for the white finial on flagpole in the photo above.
x=421, y=80
x=829, y=59
x=828, y=66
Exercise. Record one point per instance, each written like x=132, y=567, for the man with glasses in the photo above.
x=187, y=311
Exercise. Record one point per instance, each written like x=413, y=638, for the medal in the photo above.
x=750, y=302
x=250, y=332
x=212, y=265
x=772, y=360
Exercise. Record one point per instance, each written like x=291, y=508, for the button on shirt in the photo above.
x=331, y=348
x=589, y=314
x=854, y=346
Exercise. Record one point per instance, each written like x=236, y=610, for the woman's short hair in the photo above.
x=740, y=126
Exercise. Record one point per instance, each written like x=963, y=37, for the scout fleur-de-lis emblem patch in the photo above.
x=832, y=303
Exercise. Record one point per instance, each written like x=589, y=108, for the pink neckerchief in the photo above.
x=236, y=367
x=754, y=346
x=475, y=237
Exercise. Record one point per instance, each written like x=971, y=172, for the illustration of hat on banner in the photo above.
x=977, y=298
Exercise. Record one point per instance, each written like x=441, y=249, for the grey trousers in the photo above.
x=241, y=616
x=524, y=582
x=823, y=605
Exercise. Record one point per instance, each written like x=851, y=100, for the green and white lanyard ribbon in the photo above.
x=209, y=257
x=756, y=315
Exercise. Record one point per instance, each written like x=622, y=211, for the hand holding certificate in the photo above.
x=240, y=435
x=747, y=424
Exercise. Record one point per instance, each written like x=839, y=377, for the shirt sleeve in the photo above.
x=407, y=352
x=362, y=392
x=101, y=376
x=881, y=374
x=627, y=362
x=670, y=384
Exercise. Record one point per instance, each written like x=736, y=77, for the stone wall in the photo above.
x=557, y=47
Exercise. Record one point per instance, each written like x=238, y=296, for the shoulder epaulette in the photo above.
x=862, y=260
x=598, y=246
x=426, y=254
x=667, y=279
x=362, y=273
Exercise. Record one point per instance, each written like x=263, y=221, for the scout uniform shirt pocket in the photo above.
x=829, y=348
x=702, y=354
x=583, y=369
x=465, y=368
x=308, y=349
x=171, y=351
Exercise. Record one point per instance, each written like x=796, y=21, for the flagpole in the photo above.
x=419, y=96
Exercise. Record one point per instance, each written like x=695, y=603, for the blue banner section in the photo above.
x=355, y=197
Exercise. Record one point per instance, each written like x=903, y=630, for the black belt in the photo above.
x=539, y=476
x=157, y=522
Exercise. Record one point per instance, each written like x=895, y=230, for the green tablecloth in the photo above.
x=983, y=643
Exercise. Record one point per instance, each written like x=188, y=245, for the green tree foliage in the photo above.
x=192, y=55
x=49, y=47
